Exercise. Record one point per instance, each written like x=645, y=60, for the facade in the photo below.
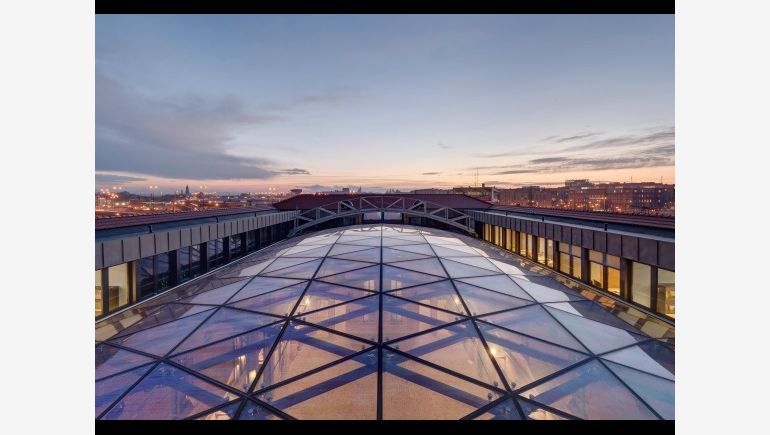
x=384, y=322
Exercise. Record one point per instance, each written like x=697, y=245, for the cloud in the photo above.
x=431, y=173
x=665, y=135
x=294, y=171
x=515, y=171
x=333, y=97
x=116, y=179
x=548, y=160
x=576, y=137
x=443, y=146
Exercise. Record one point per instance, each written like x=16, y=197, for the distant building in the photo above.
x=483, y=193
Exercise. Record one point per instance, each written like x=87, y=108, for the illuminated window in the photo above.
x=640, y=284
x=541, y=250
x=530, y=246
x=119, y=287
x=597, y=274
x=522, y=243
x=613, y=280
x=564, y=262
x=549, y=253
x=665, y=302
x=577, y=264
x=99, y=293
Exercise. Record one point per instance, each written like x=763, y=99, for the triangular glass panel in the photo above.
x=333, y=266
x=498, y=283
x=252, y=411
x=168, y=393
x=536, y=322
x=245, y=269
x=401, y=318
x=226, y=412
x=593, y=311
x=509, y=268
x=111, y=360
x=300, y=271
x=456, y=347
x=366, y=279
x=261, y=285
x=481, y=301
x=656, y=392
x=423, y=249
x=390, y=255
x=359, y=318
x=282, y=263
x=346, y=249
x=108, y=390
x=216, y=296
x=368, y=241
x=161, y=339
x=597, y=337
x=303, y=348
x=324, y=239
x=321, y=295
x=477, y=261
x=454, y=251
x=537, y=412
x=121, y=322
x=427, y=265
x=279, y=302
x=590, y=392
x=392, y=241
x=235, y=361
x=307, y=251
x=651, y=357
x=439, y=294
x=371, y=255
x=460, y=270
x=354, y=237
x=344, y=391
x=411, y=390
x=395, y=278
x=524, y=360
x=505, y=410
x=415, y=238
x=542, y=293
x=438, y=240
x=224, y=323
x=166, y=313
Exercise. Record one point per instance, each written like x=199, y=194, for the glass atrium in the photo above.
x=379, y=322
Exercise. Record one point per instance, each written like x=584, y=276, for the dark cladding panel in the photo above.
x=185, y=235
x=588, y=239
x=195, y=235
x=666, y=255
x=566, y=234
x=648, y=251
x=131, y=249
x=600, y=241
x=541, y=229
x=577, y=236
x=174, y=240
x=613, y=244
x=99, y=263
x=161, y=242
x=113, y=252
x=549, y=231
x=146, y=245
x=630, y=247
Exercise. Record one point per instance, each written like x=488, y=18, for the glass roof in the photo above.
x=383, y=321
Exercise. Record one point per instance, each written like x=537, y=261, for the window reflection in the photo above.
x=119, y=287
x=640, y=283
x=99, y=293
x=665, y=303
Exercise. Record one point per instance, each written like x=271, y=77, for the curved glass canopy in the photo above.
x=378, y=322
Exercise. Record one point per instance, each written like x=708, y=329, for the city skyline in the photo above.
x=320, y=102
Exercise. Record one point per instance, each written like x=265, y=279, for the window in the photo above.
x=522, y=243
x=640, y=283
x=236, y=244
x=145, y=276
x=487, y=232
x=665, y=302
x=184, y=264
x=195, y=261
x=530, y=247
x=541, y=250
x=509, y=239
x=99, y=293
x=162, y=271
x=564, y=263
x=119, y=287
x=597, y=274
x=577, y=267
x=613, y=280
x=549, y=253
x=216, y=256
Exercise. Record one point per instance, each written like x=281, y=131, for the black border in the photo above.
x=385, y=6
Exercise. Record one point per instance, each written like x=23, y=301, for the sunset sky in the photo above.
x=244, y=103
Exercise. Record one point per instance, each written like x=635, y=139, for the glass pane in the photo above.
x=504, y=411
x=481, y=262
x=597, y=275
x=161, y=339
x=395, y=278
x=453, y=251
x=613, y=261
x=577, y=267
x=98, y=293
x=440, y=294
x=215, y=296
x=279, y=302
x=522, y=243
x=549, y=253
x=321, y=295
x=456, y=347
x=596, y=256
x=480, y=301
x=564, y=263
x=428, y=265
x=345, y=249
x=145, y=277
x=333, y=266
x=596, y=336
x=359, y=318
x=651, y=357
x=344, y=391
x=307, y=251
x=111, y=360
x=590, y=392
x=524, y=360
x=595, y=312
x=460, y=270
x=414, y=391
x=162, y=271
x=640, y=283
x=372, y=255
x=423, y=249
x=542, y=293
x=235, y=361
x=498, y=283
x=613, y=280
x=577, y=251
x=168, y=393
x=657, y=392
x=366, y=279
x=303, y=348
x=224, y=323
x=390, y=255
x=300, y=271
x=262, y=284
x=536, y=322
x=541, y=250
x=530, y=246
x=118, y=287
x=400, y=318
x=184, y=263
x=665, y=302
x=252, y=411
x=400, y=242
x=535, y=412
x=108, y=390
x=225, y=413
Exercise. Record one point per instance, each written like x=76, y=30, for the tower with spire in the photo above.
x=187, y=191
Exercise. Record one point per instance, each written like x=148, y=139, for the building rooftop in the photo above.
x=308, y=201
x=150, y=219
x=391, y=322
